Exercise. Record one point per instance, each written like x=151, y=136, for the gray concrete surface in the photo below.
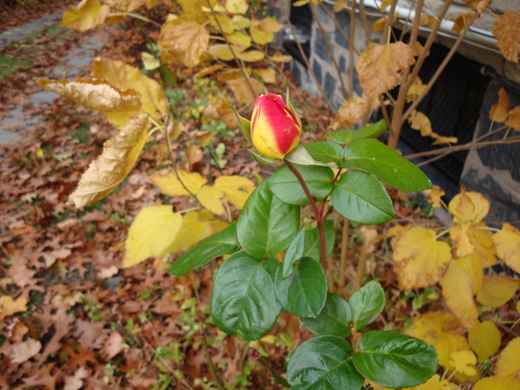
x=75, y=64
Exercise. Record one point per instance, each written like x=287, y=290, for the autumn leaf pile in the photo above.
x=81, y=307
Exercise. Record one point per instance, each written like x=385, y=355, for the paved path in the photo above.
x=75, y=64
x=20, y=32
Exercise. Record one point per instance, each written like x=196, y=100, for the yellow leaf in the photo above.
x=507, y=244
x=241, y=22
x=339, y=5
x=420, y=259
x=461, y=281
x=235, y=188
x=427, y=20
x=239, y=38
x=268, y=75
x=497, y=290
x=130, y=5
x=210, y=198
x=439, y=139
x=482, y=241
x=223, y=23
x=151, y=234
x=499, y=112
x=150, y=62
x=434, y=195
x=211, y=224
x=237, y=6
x=268, y=25
x=241, y=89
x=507, y=31
x=508, y=363
x=221, y=110
x=419, y=121
x=469, y=206
x=279, y=57
x=416, y=89
x=463, y=362
x=514, y=118
x=484, y=339
x=208, y=70
x=119, y=106
x=435, y=383
x=380, y=24
x=193, y=154
x=262, y=31
x=497, y=383
x=171, y=186
x=384, y=4
x=351, y=112
x=462, y=235
x=187, y=38
x=478, y=6
x=461, y=21
x=203, y=137
x=124, y=76
x=88, y=14
x=197, y=9
x=251, y=56
x=191, y=232
x=380, y=67
x=259, y=36
x=119, y=156
x=223, y=52
x=8, y=306
x=443, y=331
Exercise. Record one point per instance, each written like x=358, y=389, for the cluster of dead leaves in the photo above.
x=468, y=334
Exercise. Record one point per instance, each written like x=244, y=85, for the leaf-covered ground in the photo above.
x=70, y=317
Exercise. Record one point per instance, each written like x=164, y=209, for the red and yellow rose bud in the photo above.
x=275, y=129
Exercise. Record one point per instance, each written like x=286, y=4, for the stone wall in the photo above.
x=495, y=170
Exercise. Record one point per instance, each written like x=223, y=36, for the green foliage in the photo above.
x=243, y=299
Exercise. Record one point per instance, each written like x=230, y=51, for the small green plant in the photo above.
x=252, y=286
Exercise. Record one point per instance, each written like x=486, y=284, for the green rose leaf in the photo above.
x=378, y=159
x=266, y=225
x=300, y=156
x=304, y=292
x=392, y=359
x=334, y=318
x=243, y=299
x=323, y=363
x=366, y=304
x=361, y=198
x=287, y=188
x=271, y=265
x=325, y=152
x=307, y=244
x=221, y=243
x=372, y=131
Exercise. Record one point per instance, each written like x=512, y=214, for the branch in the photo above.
x=317, y=215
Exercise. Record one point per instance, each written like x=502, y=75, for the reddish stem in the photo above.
x=317, y=215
